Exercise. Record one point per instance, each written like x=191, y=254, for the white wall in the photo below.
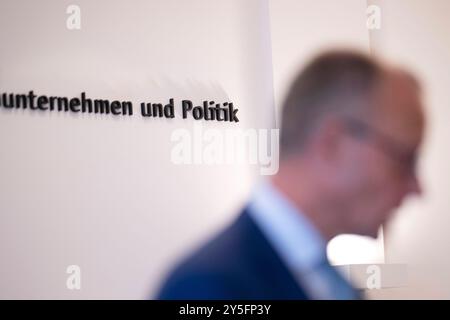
x=416, y=36
x=101, y=192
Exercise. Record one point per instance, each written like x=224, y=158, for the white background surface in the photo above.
x=101, y=192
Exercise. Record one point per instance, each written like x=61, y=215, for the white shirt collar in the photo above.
x=293, y=236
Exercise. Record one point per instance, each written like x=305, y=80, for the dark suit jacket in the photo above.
x=239, y=263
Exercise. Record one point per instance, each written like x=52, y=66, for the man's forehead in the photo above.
x=400, y=93
x=399, y=108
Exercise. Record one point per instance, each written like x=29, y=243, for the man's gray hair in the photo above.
x=334, y=82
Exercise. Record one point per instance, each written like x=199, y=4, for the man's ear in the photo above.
x=329, y=138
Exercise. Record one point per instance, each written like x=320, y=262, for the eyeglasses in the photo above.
x=402, y=155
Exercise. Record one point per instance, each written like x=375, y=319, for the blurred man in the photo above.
x=351, y=128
